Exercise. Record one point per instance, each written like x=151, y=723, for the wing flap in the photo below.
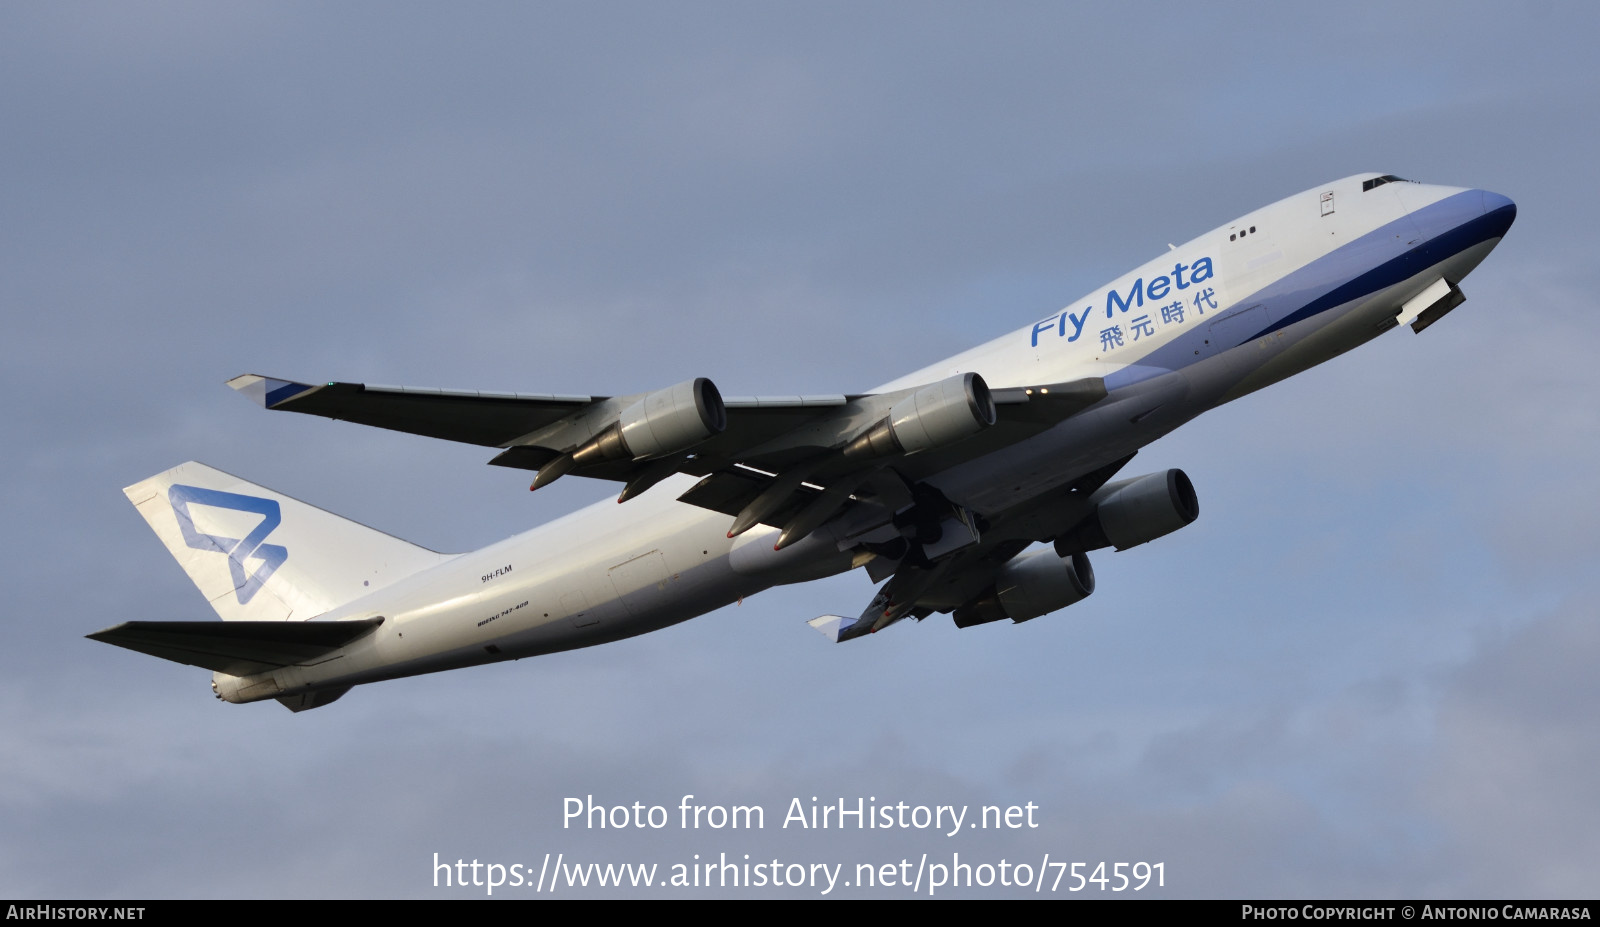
x=731, y=491
x=237, y=648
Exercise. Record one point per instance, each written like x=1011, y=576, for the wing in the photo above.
x=793, y=462
x=488, y=419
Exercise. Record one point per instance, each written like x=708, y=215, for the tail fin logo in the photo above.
x=238, y=550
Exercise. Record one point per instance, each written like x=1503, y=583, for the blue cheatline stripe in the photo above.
x=1324, y=283
x=285, y=390
x=1458, y=239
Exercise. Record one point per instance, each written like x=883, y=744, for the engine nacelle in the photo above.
x=1133, y=512
x=673, y=419
x=664, y=422
x=936, y=415
x=242, y=689
x=1029, y=586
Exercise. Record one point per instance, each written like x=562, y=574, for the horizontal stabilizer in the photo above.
x=237, y=648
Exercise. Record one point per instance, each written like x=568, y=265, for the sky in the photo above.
x=1365, y=672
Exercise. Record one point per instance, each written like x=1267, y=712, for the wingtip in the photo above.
x=267, y=392
x=249, y=385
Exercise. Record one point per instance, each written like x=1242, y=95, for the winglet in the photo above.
x=831, y=626
x=265, y=391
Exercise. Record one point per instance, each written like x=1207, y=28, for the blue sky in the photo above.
x=1365, y=671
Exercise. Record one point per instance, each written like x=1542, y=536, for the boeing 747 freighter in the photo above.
x=976, y=486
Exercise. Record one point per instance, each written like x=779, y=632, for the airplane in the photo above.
x=975, y=486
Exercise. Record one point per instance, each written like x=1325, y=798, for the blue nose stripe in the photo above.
x=1500, y=212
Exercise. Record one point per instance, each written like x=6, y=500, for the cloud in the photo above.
x=1361, y=673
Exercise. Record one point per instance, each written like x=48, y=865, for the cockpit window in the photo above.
x=1380, y=181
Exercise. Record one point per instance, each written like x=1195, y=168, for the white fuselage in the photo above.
x=1244, y=305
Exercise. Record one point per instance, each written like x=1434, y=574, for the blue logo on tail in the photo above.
x=238, y=550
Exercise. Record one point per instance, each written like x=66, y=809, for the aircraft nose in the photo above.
x=1500, y=210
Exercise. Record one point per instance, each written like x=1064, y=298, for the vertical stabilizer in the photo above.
x=259, y=555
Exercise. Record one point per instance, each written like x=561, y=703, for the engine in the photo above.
x=1029, y=586
x=1133, y=512
x=936, y=415
x=664, y=422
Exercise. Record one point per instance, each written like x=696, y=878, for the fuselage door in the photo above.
x=1237, y=327
x=641, y=583
x=576, y=605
